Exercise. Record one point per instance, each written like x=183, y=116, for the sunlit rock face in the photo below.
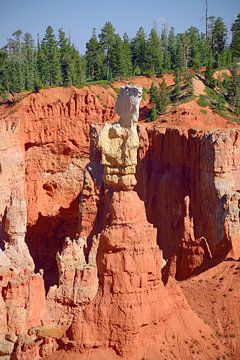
x=119, y=141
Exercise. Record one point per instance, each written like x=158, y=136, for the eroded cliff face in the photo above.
x=175, y=163
x=22, y=295
x=44, y=149
x=56, y=137
x=130, y=305
x=102, y=281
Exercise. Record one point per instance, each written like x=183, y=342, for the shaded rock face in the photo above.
x=191, y=253
x=175, y=163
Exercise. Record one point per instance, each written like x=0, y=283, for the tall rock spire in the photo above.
x=118, y=142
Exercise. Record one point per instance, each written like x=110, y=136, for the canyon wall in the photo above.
x=204, y=165
x=130, y=305
x=56, y=138
x=100, y=286
x=43, y=152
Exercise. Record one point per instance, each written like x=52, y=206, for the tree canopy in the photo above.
x=54, y=61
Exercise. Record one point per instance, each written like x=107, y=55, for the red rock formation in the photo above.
x=191, y=253
x=53, y=127
x=132, y=309
x=13, y=208
x=56, y=137
x=23, y=304
x=131, y=301
x=133, y=312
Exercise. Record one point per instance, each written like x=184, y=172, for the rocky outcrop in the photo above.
x=13, y=207
x=232, y=224
x=119, y=141
x=101, y=289
x=44, y=148
x=203, y=165
x=55, y=131
x=131, y=304
x=78, y=282
x=191, y=253
x=23, y=304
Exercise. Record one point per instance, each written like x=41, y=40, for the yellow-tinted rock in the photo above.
x=119, y=142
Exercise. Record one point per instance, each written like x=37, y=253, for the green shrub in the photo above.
x=203, y=101
x=153, y=114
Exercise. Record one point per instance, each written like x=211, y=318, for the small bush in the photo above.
x=203, y=101
x=153, y=114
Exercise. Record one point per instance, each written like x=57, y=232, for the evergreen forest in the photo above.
x=52, y=60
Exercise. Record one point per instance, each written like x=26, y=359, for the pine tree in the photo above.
x=139, y=48
x=117, y=58
x=26, y=66
x=154, y=55
x=237, y=106
x=203, y=51
x=194, y=51
x=235, y=45
x=41, y=79
x=29, y=61
x=167, y=65
x=94, y=58
x=153, y=113
x=177, y=84
x=189, y=84
x=4, y=83
x=219, y=38
x=180, y=63
x=77, y=72
x=172, y=48
x=207, y=48
x=166, y=53
x=127, y=65
x=65, y=58
x=107, y=37
x=52, y=58
x=15, y=63
x=153, y=92
x=234, y=90
x=209, y=75
x=163, y=98
x=226, y=59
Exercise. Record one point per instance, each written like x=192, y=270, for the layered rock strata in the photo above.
x=132, y=303
x=108, y=293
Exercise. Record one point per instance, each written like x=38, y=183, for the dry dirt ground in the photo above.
x=214, y=296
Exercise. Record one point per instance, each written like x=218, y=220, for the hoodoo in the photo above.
x=132, y=311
